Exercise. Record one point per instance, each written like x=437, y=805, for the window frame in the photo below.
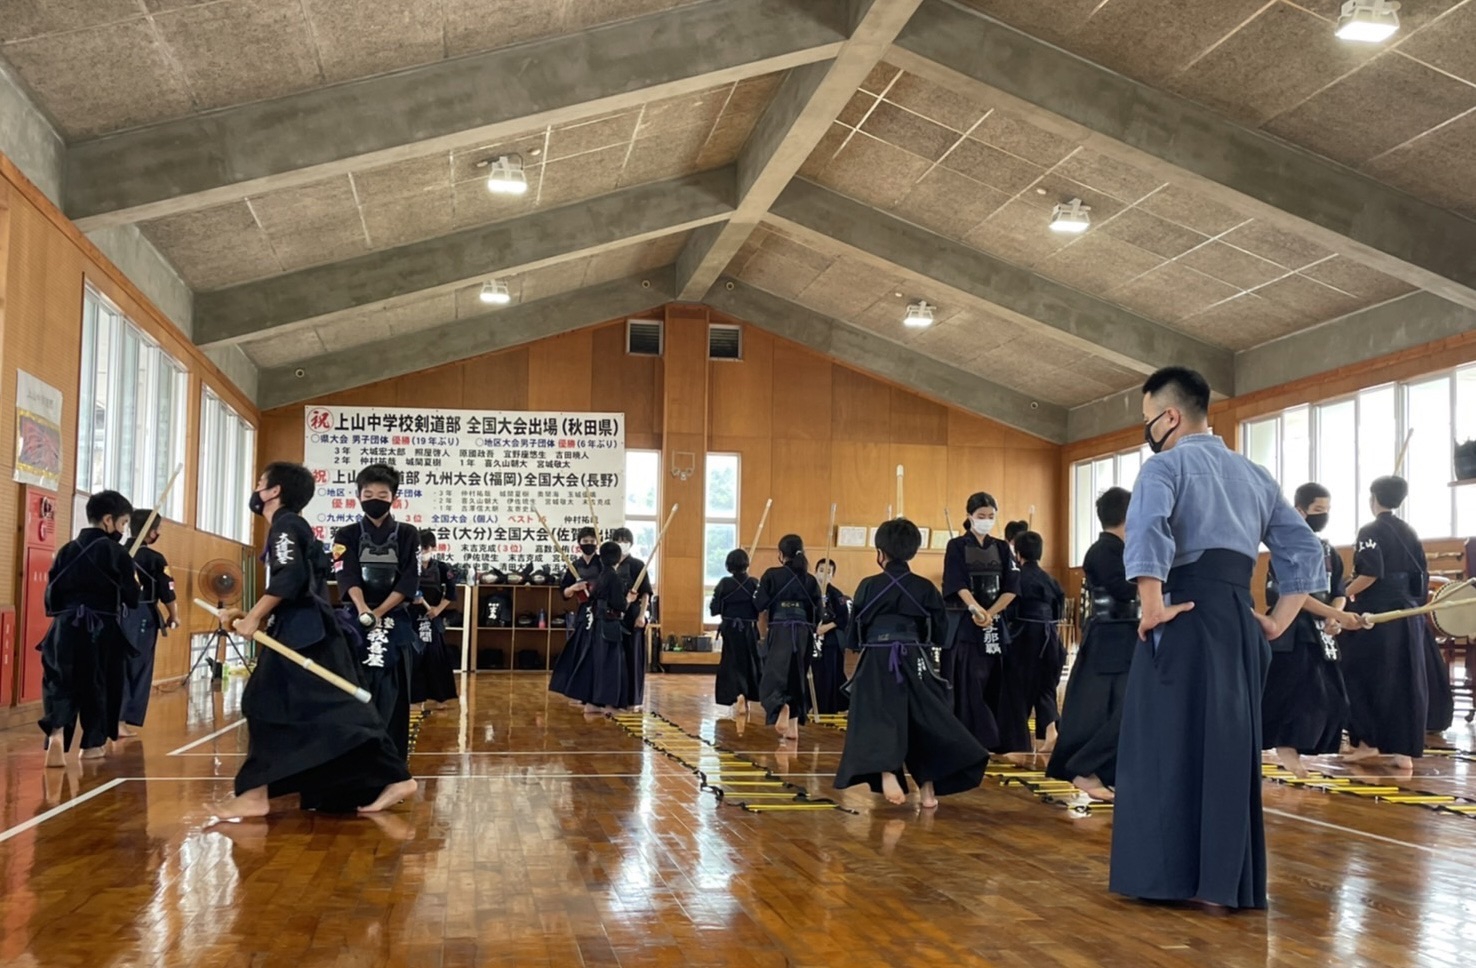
x=143, y=392
x=228, y=445
x=1084, y=526
x=709, y=518
x=653, y=520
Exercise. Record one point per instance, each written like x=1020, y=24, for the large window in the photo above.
x=721, y=532
x=1089, y=478
x=1345, y=444
x=131, y=410
x=643, y=501
x=228, y=457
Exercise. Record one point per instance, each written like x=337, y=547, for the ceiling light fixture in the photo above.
x=495, y=293
x=1071, y=217
x=507, y=176
x=1368, y=21
x=919, y=315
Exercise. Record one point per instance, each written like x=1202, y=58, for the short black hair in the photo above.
x=139, y=518
x=737, y=562
x=1389, y=491
x=1112, y=506
x=1029, y=546
x=378, y=474
x=1185, y=388
x=1308, y=493
x=610, y=554
x=1015, y=528
x=622, y=534
x=295, y=481
x=428, y=538
x=586, y=532
x=827, y=561
x=898, y=539
x=107, y=504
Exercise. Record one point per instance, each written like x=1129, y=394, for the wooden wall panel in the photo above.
x=440, y=387
x=801, y=392
x=860, y=484
x=916, y=420
x=801, y=490
x=739, y=403
x=755, y=486
x=684, y=426
x=861, y=408
x=925, y=490
x=558, y=372
x=629, y=384
x=497, y=381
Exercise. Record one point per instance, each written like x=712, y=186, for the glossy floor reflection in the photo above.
x=541, y=837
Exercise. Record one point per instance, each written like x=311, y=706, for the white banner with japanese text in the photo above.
x=476, y=478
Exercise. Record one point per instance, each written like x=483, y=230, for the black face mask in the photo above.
x=589, y=549
x=374, y=509
x=256, y=504
x=1317, y=521
x=1156, y=445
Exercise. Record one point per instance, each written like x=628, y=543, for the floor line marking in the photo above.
x=428, y=776
x=1351, y=830
x=41, y=818
x=206, y=739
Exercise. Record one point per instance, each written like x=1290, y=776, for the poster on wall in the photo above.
x=38, y=436
x=476, y=478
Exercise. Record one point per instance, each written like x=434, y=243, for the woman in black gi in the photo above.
x=980, y=581
x=789, y=601
x=1033, y=667
x=305, y=736
x=739, y=664
x=434, y=675
x=829, y=662
x=1086, y=749
x=900, y=713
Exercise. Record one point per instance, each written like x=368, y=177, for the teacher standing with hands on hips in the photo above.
x=1187, y=823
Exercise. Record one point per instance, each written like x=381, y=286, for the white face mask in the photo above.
x=982, y=525
x=625, y=547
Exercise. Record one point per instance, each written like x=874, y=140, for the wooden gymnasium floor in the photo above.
x=541, y=838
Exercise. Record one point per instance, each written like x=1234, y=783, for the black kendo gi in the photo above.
x=1036, y=655
x=900, y=710
x=156, y=588
x=633, y=643
x=380, y=561
x=791, y=599
x=1086, y=744
x=580, y=627
x=976, y=657
x=434, y=674
x=305, y=735
x=829, y=662
x=88, y=594
x=1385, y=667
x=739, y=663
x=599, y=675
x=1305, y=705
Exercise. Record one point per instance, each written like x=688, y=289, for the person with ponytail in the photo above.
x=788, y=602
x=980, y=580
x=739, y=664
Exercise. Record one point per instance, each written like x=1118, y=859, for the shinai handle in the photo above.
x=297, y=658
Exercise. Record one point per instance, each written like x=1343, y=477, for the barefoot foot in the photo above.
x=892, y=790
x=390, y=796
x=55, y=755
x=781, y=726
x=1401, y=762
x=928, y=799
x=1360, y=753
x=95, y=753
x=1093, y=788
x=126, y=730
x=252, y=803
x=1291, y=760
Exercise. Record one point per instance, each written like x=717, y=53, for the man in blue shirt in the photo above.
x=1187, y=823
